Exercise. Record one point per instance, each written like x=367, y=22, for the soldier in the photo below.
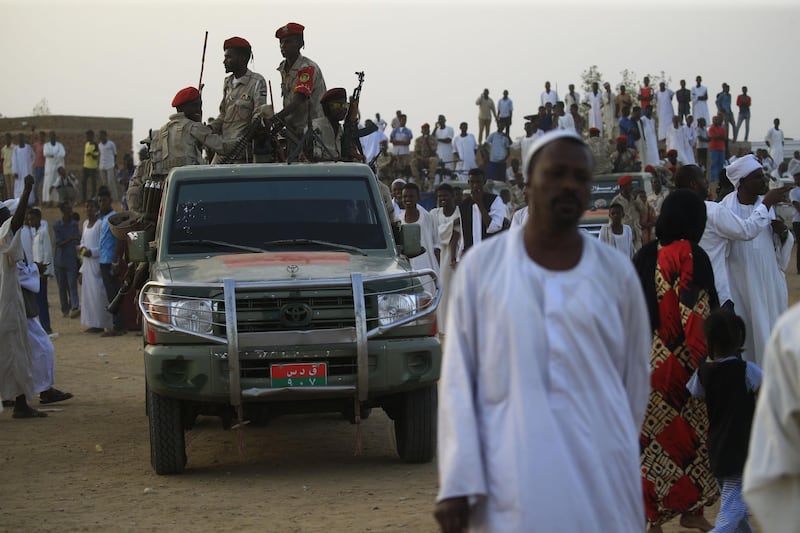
x=424, y=155
x=242, y=92
x=302, y=84
x=329, y=127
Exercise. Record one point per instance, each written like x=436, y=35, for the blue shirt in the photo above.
x=627, y=127
x=499, y=144
x=724, y=102
x=108, y=243
x=66, y=256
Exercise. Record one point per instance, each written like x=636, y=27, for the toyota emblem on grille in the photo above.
x=296, y=314
x=292, y=269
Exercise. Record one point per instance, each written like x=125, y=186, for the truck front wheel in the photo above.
x=415, y=425
x=167, y=444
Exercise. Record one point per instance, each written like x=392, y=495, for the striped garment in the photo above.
x=733, y=515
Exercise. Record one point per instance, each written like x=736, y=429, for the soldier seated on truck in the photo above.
x=327, y=144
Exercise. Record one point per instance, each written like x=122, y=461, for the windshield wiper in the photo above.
x=302, y=242
x=218, y=244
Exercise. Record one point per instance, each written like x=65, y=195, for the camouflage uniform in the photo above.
x=601, y=150
x=237, y=108
x=424, y=155
x=303, y=77
x=332, y=140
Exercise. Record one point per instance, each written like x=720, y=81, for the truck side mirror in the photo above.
x=137, y=246
x=410, y=241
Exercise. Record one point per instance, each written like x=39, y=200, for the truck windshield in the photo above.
x=605, y=189
x=252, y=212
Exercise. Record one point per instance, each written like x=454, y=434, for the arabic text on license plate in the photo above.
x=299, y=375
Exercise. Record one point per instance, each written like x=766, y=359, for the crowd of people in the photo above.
x=636, y=403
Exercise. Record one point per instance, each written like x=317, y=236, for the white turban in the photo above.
x=741, y=168
x=544, y=140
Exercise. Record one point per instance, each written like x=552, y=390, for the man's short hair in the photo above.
x=411, y=186
x=477, y=172
x=616, y=205
x=445, y=187
x=103, y=132
x=35, y=211
x=104, y=192
x=89, y=132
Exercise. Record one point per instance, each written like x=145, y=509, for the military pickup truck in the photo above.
x=280, y=289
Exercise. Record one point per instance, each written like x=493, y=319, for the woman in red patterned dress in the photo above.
x=678, y=283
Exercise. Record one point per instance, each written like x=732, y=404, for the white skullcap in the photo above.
x=794, y=167
x=401, y=181
x=741, y=168
x=544, y=140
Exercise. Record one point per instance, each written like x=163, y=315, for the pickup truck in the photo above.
x=280, y=289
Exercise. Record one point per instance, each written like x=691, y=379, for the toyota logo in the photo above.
x=292, y=269
x=296, y=314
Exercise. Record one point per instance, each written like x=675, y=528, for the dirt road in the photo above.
x=86, y=467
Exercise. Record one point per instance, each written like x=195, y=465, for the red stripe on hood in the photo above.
x=285, y=258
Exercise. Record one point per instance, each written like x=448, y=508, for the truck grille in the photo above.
x=260, y=312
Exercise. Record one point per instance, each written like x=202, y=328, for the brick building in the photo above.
x=71, y=132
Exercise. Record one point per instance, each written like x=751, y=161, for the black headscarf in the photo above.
x=683, y=216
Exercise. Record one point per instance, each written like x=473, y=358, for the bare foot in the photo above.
x=696, y=522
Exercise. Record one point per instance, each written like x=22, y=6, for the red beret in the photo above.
x=650, y=168
x=625, y=180
x=425, y=125
x=184, y=96
x=672, y=151
x=622, y=139
x=235, y=42
x=291, y=28
x=592, y=130
x=337, y=93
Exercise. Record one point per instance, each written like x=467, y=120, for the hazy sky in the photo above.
x=124, y=59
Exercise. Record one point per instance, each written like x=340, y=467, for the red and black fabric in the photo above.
x=676, y=473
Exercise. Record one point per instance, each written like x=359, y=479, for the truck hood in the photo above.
x=275, y=266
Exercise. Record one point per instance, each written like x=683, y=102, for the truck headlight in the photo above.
x=192, y=315
x=394, y=307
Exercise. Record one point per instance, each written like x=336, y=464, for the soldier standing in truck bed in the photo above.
x=302, y=84
x=242, y=93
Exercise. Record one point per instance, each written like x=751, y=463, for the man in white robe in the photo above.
x=724, y=227
x=545, y=375
x=610, y=120
x=678, y=139
x=54, y=154
x=464, y=148
x=447, y=218
x=664, y=109
x=700, y=101
x=429, y=233
x=444, y=143
x=774, y=139
x=594, y=99
x=771, y=482
x=21, y=163
x=649, y=139
x=757, y=267
x=482, y=213
x=16, y=371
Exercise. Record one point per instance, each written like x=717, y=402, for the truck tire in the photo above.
x=167, y=443
x=415, y=425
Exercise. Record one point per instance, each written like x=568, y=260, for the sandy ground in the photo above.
x=86, y=467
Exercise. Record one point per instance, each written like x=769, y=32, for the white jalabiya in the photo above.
x=93, y=294
x=678, y=139
x=650, y=143
x=775, y=139
x=610, y=122
x=21, y=165
x=539, y=420
x=16, y=374
x=722, y=226
x=42, y=248
x=429, y=238
x=54, y=155
x=622, y=242
x=595, y=102
x=520, y=217
x=700, y=107
x=665, y=111
x=757, y=279
x=447, y=227
x=465, y=147
x=772, y=472
x=444, y=151
x=42, y=351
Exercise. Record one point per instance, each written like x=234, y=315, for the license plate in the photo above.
x=299, y=375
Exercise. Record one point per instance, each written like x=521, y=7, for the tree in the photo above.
x=630, y=81
x=41, y=108
x=589, y=76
